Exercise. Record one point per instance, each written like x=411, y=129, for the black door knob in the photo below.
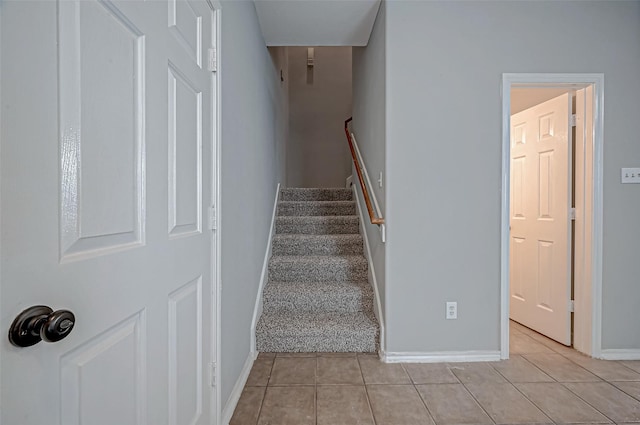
x=39, y=323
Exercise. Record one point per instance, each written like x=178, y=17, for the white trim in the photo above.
x=349, y=181
x=236, y=392
x=441, y=357
x=598, y=211
x=3, y=312
x=368, y=183
x=594, y=286
x=382, y=355
x=373, y=281
x=257, y=311
x=505, y=92
x=216, y=241
x=620, y=354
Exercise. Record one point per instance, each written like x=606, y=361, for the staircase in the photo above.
x=317, y=298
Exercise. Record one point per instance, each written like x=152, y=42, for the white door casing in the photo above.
x=106, y=174
x=540, y=244
x=589, y=168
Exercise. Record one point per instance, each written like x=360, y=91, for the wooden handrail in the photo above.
x=365, y=192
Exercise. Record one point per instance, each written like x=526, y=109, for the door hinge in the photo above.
x=573, y=120
x=212, y=374
x=212, y=60
x=572, y=306
x=572, y=213
x=213, y=218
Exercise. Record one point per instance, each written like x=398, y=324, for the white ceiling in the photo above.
x=316, y=22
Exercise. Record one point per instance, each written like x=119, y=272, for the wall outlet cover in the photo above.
x=630, y=175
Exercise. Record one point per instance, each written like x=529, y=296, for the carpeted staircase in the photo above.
x=317, y=298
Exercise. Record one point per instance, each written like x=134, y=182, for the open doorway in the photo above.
x=543, y=122
x=551, y=207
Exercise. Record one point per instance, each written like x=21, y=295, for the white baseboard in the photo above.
x=257, y=310
x=620, y=354
x=377, y=305
x=236, y=392
x=441, y=357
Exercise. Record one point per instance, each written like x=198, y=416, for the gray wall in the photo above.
x=319, y=102
x=444, y=68
x=251, y=94
x=369, y=127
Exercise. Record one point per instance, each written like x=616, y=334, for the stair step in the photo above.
x=314, y=268
x=317, y=225
x=316, y=208
x=318, y=297
x=316, y=194
x=317, y=244
x=310, y=332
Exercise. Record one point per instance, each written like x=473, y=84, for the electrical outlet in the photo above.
x=630, y=175
x=452, y=310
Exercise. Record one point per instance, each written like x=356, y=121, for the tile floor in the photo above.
x=543, y=382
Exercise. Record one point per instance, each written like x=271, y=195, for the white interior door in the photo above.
x=540, y=245
x=106, y=181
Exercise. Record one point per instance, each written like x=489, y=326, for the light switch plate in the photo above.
x=630, y=175
x=452, y=310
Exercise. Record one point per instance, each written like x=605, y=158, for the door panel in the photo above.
x=185, y=155
x=106, y=124
x=101, y=123
x=185, y=24
x=185, y=354
x=92, y=397
x=545, y=276
x=540, y=281
x=518, y=258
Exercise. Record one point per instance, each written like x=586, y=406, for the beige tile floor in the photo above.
x=542, y=383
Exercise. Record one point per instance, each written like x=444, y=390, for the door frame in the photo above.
x=589, y=297
x=216, y=241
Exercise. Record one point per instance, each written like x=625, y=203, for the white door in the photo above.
x=540, y=245
x=106, y=183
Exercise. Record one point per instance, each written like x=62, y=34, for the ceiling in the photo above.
x=524, y=98
x=316, y=22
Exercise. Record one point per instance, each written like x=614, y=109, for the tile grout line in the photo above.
x=563, y=353
x=478, y=402
x=424, y=403
x=600, y=379
x=264, y=396
x=532, y=402
x=581, y=398
x=594, y=373
x=366, y=390
x=525, y=382
x=626, y=367
x=624, y=382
